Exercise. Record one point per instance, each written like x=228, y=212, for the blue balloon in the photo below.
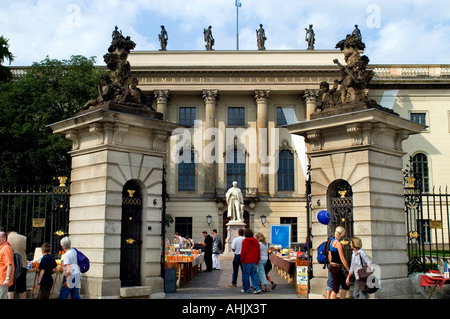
x=324, y=217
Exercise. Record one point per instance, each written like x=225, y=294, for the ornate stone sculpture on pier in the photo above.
x=355, y=77
x=118, y=89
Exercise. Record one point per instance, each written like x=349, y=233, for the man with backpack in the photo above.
x=18, y=245
x=72, y=275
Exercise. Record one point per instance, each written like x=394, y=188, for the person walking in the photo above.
x=72, y=275
x=6, y=265
x=208, y=250
x=359, y=256
x=337, y=262
x=216, y=250
x=264, y=250
x=236, y=246
x=46, y=267
x=250, y=256
x=18, y=244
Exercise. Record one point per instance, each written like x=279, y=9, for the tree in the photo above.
x=50, y=91
x=5, y=54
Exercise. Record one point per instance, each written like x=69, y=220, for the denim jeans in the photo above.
x=249, y=271
x=65, y=292
x=262, y=272
x=358, y=294
x=236, y=265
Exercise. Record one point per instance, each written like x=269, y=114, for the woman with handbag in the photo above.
x=359, y=260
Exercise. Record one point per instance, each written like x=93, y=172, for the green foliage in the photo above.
x=50, y=91
x=5, y=54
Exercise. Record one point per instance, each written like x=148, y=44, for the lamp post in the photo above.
x=209, y=219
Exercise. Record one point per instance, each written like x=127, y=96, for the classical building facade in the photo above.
x=234, y=105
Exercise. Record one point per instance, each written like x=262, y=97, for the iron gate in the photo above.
x=42, y=215
x=427, y=224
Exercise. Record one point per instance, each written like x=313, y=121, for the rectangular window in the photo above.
x=281, y=118
x=286, y=115
x=236, y=116
x=187, y=115
x=236, y=169
x=186, y=174
x=183, y=226
x=293, y=222
x=419, y=117
x=286, y=171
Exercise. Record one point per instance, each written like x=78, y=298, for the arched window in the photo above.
x=186, y=173
x=286, y=171
x=420, y=162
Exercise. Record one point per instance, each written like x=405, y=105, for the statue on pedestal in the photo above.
x=235, y=203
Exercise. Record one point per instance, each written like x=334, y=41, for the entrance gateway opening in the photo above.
x=130, y=241
x=340, y=197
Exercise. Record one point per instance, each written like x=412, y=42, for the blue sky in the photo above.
x=395, y=31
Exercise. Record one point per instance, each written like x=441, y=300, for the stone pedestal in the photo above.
x=232, y=231
x=110, y=148
x=363, y=148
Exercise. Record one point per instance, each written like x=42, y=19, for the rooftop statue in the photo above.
x=118, y=86
x=261, y=37
x=163, y=38
x=207, y=33
x=310, y=37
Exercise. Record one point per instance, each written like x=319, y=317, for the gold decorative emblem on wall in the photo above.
x=131, y=192
x=130, y=241
x=60, y=233
x=62, y=181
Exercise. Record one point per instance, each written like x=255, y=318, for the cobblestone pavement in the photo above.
x=214, y=285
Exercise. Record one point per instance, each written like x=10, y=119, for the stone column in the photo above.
x=109, y=149
x=261, y=98
x=311, y=101
x=162, y=100
x=364, y=149
x=210, y=97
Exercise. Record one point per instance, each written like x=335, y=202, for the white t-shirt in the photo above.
x=237, y=244
x=264, y=251
x=70, y=258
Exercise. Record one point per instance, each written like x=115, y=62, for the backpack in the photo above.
x=83, y=261
x=322, y=252
x=17, y=265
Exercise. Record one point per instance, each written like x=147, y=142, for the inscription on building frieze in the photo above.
x=158, y=80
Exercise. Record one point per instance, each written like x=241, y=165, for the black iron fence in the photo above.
x=427, y=224
x=42, y=215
